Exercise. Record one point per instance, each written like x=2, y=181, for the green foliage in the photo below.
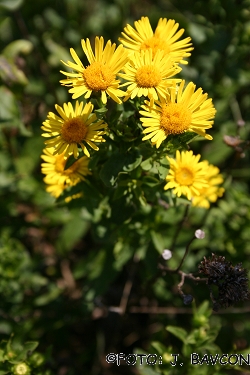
x=67, y=269
x=199, y=353
x=16, y=272
x=20, y=359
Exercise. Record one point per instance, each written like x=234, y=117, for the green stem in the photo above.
x=179, y=227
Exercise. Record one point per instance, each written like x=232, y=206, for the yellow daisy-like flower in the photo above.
x=148, y=75
x=73, y=127
x=181, y=111
x=187, y=176
x=164, y=38
x=57, y=177
x=100, y=74
x=213, y=191
x=54, y=168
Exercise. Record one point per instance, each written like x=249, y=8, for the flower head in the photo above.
x=21, y=369
x=149, y=76
x=181, y=111
x=73, y=127
x=231, y=281
x=187, y=176
x=100, y=74
x=165, y=38
x=213, y=191
x=57, y=177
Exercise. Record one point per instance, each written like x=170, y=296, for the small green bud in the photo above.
x=21, y=369
x=10, y=355
x=199, y=320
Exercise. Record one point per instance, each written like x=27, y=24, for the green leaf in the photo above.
x=15, y=48
x=204, y=309
x=70, y=161
x=121, y=210
x=117, y=163
x=187, y=350
x=101, y=271
x=132, y=160
x=197, y=32
x=22, y=354
x=46, y=298
x=163, y=169
x=158, y=241
x=8, y=107
x=120, y=191
x=122, y=252
x=72, y=232
x=111, y=168
x=10, y=73
x=188, y=137
x=11, y=4
x=58, y=53
x=147, y=164
x=101, y=110
x=150, y=181
x=161, y=349
x=2, y=355
x=30, y=346
x=178, y=332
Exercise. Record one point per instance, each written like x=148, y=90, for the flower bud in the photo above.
x=167, y=254
x=21, y=369
x=187, y=299
x=200, y=234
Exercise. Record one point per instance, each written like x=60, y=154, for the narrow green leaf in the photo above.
x=178, y=332
x=16, y=47
x=11, y=5
x=158, y=241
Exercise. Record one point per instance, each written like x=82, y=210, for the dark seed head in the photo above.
x=187, y=299
x=231, y=281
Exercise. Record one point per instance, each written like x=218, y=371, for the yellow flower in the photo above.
x=212, y=192
x=148, y=75
x=187, y=176
x=57, y=177
x=181, y=111
x=164, y=38
x=100, y=74
x=55, y=189
x=21, y=369
x=73, y=127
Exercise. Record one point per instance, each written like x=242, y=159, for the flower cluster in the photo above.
x=231, y=281
x=142, y=68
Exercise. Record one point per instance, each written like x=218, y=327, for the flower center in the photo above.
x=74, y=130
x=147, y=76
x=175, y=119
x=60, y=163
x=156, y=44
x=98, y=76
x=184, y=176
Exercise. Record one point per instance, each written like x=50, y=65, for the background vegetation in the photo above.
x=65, y=270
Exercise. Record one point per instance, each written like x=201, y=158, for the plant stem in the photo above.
x=179, y=227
